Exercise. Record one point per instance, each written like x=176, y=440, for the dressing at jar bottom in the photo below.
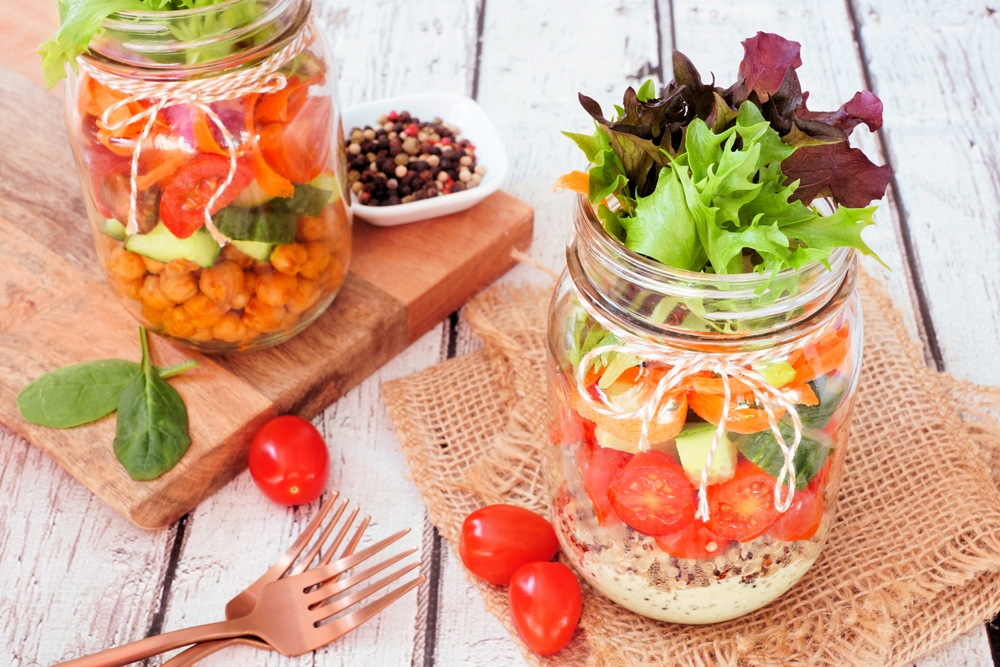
x=626, y=571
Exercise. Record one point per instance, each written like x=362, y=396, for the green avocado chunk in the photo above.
x=693, y=445
x=160, y=244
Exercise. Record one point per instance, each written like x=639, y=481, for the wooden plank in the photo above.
x=941, y=120
x=404, y=260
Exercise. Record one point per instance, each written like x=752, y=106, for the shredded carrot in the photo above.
x=825, y=355
x=269, y=180
x=165, y=168
x=204, y=140
x=577, y=181
x=741, y=419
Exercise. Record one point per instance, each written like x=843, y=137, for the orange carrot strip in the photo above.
x=741, y=419
x=204, y=140
x=165, y=168
x=577, y=181
x=269, y=180
x=823, y=356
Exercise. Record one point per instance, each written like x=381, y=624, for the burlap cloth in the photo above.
x=912, y=562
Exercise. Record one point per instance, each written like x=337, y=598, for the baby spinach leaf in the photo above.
x=76, y=394
x=82, y=393
x=152, y=432
x=244, y=224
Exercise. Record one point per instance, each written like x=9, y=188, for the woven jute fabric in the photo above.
x=912, y=561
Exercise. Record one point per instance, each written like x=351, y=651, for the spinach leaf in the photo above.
x=82, y=393
x=262, y=226
x=76, y=394
x=152, y=433
x=307, y=200
x=763, y=451
x=831, y=392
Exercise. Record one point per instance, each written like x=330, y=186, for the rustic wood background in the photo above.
x=75, y=577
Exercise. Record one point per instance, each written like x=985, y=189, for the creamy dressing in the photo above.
x=718, y=601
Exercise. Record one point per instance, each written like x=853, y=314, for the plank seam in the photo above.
x=156, y=624
x=911, y=264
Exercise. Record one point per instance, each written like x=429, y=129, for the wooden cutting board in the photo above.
x=55, y=309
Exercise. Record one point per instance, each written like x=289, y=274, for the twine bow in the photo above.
x=686, y=364
x=199, y=93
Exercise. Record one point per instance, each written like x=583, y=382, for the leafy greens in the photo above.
x=709, y=179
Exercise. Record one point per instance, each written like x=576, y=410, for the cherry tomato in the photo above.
x=289, y=461
x=652, y=494
x=182, y=207
x=801, y=520
x=498, y=539
x=742, y=509
x=298, y=149
x=599, y=465
x=545, y=604
x=695, y=541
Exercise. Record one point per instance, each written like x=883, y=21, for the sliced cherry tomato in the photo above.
x=116, y=194
x=299, y=149
x=182, y=207
x=801, y=520
x=742, y=509
x=599, y=465
x=496, y=540
x=695, y=541
x=742, y=418
x=545, y=604
x=289, y=461
x=652, y=494
x=101, y=162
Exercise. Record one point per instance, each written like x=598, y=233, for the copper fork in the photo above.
x=290, y=613
x=243, y=604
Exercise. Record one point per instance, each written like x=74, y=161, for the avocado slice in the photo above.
x=160, y=244
x=693, y=445
x=255, y=249
x=114, y=229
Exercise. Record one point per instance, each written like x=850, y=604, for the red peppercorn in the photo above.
x=446, y=141
x=411, y=130
x=392, y=116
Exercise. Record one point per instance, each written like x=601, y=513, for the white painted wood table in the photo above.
x=75, y=577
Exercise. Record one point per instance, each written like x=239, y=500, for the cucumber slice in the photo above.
x=114, y=229
x=255, y=249
x=328, y=182
x=160, y=244
x=693, y=445
x=252, y=195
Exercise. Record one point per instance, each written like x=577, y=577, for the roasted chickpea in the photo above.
x=178, y=287
x=306, y=295
x=153, y=316
x=337, y=274
x=127, y=288
x=179, y=266
x=176, y=322
x=126, y=265
x=222, y=283
x=152, y=296
x=233, y=254
x=203, y=335
x=289, y=258
x=289, y=320
x=275, y=289
x=152, y=265
x=319, y=259
x=203, y=311
x=262, y=316
x=312, y=229
x=230, y=329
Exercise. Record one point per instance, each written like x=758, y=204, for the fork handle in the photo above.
x=120, y=656
x=201, y=651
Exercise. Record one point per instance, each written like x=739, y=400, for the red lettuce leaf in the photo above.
x=835, y=170
x=766, y=59
x=865, y=107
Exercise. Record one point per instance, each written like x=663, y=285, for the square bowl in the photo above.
x=473, y=124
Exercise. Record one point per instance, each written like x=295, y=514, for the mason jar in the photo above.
x=209, y=146
x=699, y=424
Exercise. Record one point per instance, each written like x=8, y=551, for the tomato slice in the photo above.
x=695, y=541
x=599, y=465
x=299, y=149
x=742, y=418
x=652, y=494
x=182, y=207
x=742, y=509
x=802, y=519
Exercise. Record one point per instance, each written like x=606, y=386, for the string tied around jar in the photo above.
x=262, y=78
x=686, y=364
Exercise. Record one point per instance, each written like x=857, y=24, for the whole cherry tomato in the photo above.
x=182, y=207
x=498, y=539
x=545, y=601
x=599, y=465
x=289, y=461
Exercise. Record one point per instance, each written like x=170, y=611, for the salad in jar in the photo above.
x=213, y=167
x=705, y=341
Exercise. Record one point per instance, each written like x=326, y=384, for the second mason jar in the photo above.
x=699, y=425
x=209, y=146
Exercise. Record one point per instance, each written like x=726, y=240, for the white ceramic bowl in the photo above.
x=473, y=124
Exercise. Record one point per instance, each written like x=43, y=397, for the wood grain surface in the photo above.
x=64, y=554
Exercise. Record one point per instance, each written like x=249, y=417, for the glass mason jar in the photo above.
x=683, y=405
x=210, y=149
